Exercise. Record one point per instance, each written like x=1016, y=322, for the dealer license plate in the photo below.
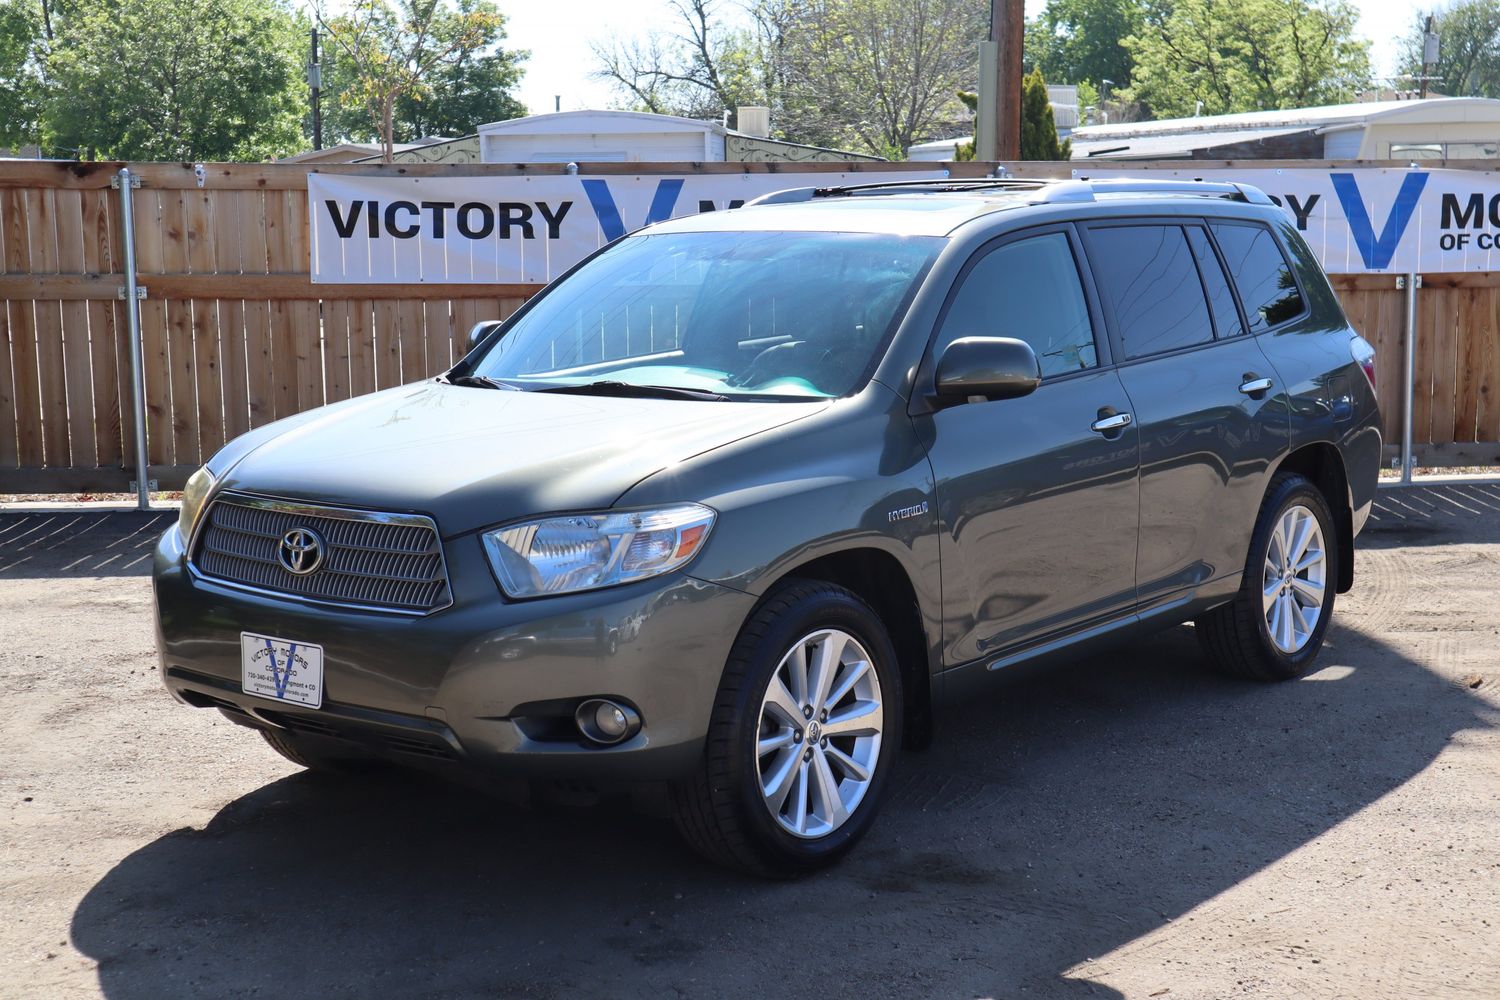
x=282, y=669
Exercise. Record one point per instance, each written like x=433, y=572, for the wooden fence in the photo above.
x=236, y=335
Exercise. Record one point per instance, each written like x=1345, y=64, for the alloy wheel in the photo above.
x=1295, y=579
x=818, y=738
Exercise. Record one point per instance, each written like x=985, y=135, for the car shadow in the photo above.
x=1069, y=812
x=79, y=543
x=1433, y=515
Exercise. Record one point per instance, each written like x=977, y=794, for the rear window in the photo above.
x=1147, y=274
x=1261, y=273
x=1220, y=298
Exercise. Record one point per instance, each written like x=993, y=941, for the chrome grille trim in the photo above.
x=376, y=561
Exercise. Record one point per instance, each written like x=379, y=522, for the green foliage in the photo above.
x=1076, y=40
x=176, y=80
x=965, y=150
x=414, y=67
x=21, y=51
x=1247, y=55
x=1038, y=126
x=1469, y=56
x=476, y=86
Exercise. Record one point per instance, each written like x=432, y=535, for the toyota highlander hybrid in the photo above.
x=738, y=500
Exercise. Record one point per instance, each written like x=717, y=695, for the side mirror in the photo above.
x=996, y=367
x=479, y=332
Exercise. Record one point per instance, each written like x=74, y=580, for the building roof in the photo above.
x=606, y=122
x=600, y=122
x=351, y=152
x=1325, y=119
x=1165, y=146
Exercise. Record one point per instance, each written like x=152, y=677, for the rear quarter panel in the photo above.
x=1331, y=399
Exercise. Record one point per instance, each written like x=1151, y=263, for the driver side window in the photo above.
x=1029, y=290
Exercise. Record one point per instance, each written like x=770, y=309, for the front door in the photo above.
x=1036, y=496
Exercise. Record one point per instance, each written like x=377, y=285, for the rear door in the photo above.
x=1212, y=414
x=1037, y=495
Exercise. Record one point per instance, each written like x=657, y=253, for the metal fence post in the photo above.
x=126, y=183
x=1409, y=377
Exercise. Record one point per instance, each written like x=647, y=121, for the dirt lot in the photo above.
x=1127, y=826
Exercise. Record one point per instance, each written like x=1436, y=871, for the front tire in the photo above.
x=1275, y=626
x=297, y=750
x=804, y=733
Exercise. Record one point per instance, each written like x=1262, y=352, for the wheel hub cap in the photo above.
x=1295, y=579
x=818, y=738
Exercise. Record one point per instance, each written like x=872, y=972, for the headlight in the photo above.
x=196, y=491
x=559, y=555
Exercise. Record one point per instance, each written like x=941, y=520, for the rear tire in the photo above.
x=778, y=796
x=1264, y=633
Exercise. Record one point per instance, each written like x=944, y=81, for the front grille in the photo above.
x=383, y=562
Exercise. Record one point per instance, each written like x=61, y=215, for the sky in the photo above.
x=558, y=34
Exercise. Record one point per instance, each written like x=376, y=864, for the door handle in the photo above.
x=1252, y=385
x=1114, y=422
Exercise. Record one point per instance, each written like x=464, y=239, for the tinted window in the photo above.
x=1261, y=273
x=1029, y=290
x=1147, y=274
x=1220, y=298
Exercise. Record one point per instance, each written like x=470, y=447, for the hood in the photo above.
x=476, y=457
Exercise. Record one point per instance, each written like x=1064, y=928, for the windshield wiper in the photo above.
x=611, y=388
x=480, y=382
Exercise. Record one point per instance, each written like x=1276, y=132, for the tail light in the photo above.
x=1364, y=356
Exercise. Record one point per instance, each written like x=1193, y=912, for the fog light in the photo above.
x=606, y=722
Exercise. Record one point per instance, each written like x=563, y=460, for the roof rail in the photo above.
x=1084, y=189
x=792, y=195
x=1047, y=191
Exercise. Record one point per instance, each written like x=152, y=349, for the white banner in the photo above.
x=506, y=230
x=1373, y=219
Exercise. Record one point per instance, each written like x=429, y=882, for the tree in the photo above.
x=401, y=55
x=475, y=87
x=881, y=74
x=1038, y=125
x=1247, y=55
x=1469, y=54
x=176, y=80
x=871, y=74
x=21, y=52
x=705, y=67
x=1073, y=41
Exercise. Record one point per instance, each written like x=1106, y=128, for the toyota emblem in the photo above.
x=300, y=551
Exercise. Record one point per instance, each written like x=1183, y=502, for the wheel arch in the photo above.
x=881, y=581
x=1321, y=462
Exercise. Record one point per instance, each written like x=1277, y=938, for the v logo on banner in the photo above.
x=1378, y=251
x=610, y=222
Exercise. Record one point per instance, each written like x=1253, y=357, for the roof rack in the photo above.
x=792, y=195
x=1047, y=191
x=1084, y=189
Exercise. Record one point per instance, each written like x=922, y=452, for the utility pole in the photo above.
x=1007, y=33
x=315, y=83
x=1429, y=56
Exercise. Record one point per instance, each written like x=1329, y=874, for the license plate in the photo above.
x=282, y=669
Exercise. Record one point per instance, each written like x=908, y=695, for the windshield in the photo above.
x=737, y=315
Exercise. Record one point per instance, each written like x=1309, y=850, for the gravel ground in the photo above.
x=1125, y=826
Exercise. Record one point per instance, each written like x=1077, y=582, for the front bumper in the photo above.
x=486, y=682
